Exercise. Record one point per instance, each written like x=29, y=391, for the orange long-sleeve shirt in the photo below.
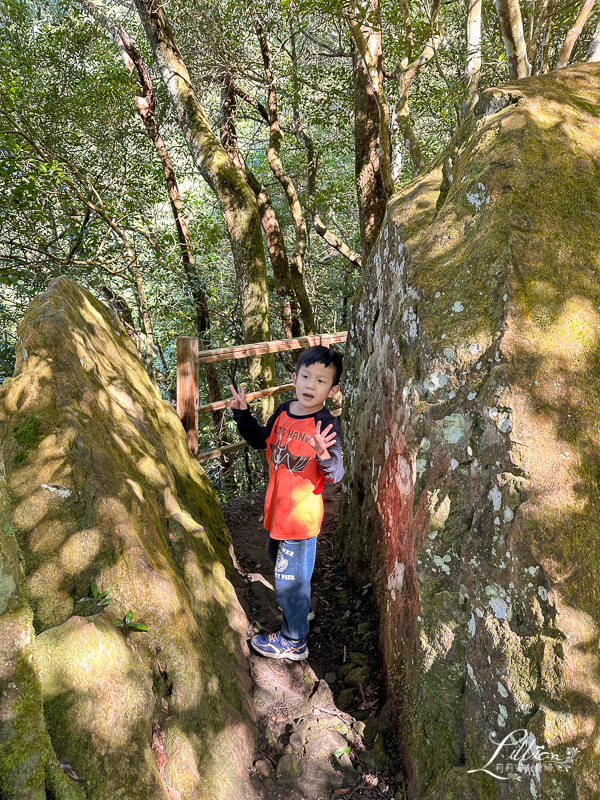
x=294, y=502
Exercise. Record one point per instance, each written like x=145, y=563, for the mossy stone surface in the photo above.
x=91, y=677
x=24, y=753
x=472, y=442
x=109, y=493
x=357, y=676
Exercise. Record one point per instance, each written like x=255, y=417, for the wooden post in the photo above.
x=187, y=388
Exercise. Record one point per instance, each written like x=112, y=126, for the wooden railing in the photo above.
x=188, y=360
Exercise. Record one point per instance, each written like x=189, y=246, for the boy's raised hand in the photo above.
x=239, y=400
x=321, y=441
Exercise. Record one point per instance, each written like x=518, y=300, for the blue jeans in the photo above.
x=294, y=563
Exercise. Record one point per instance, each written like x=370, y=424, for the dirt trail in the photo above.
x=325, y=731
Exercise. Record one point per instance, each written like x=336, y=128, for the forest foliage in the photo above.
x=84, y=191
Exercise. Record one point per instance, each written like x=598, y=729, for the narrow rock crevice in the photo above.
x=324, y=725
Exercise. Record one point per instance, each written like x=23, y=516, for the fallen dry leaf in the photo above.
x=370, y=780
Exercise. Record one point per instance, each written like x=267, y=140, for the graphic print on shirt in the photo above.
x=281, y=455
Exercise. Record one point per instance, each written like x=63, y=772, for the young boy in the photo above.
x=302, y=440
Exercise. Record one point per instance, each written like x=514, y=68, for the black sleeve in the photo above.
x=252, y=432
x=331, y=468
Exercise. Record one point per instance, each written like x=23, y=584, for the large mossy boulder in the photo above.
x=472, y=446
x=97, y=486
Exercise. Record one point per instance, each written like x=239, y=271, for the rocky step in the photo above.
x=311, y=749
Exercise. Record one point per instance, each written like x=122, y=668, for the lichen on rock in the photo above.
x=473, y=359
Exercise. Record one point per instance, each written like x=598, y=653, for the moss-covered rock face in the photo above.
x=91, y=676
x=473, y=446
x=99, y=487
x=23, y=753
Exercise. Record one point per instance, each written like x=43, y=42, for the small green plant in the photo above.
x=128, y=623
x=342, y=751
x=98, y=600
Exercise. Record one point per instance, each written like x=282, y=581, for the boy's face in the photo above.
x=314, y=384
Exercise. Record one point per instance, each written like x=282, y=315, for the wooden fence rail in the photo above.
x=188, y=360
x=276, y=346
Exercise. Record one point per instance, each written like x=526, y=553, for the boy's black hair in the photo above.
x=321, y=355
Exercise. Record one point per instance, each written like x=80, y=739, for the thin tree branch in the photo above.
x=276, y=164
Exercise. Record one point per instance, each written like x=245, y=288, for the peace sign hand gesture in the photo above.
x=239, y=400
x=321, y=441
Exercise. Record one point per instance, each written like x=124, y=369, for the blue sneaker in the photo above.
x=276, y=645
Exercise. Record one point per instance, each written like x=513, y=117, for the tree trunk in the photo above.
x=405, y=74
x=277, y=168
x=546, y=39
x=409, y=137
x=120, y=306
x=473, y=60
x=28, y=764
x=311, y=162
x=574, y=33
x=329, y=236
x=367, y=38
x=146, y=105
x=235, y=196
x=511, y=22
x=145, y=313
x=369, y=183
x=279, y=258
x=594, y=51
x=270, y=223
x=540, y=12
x=424, y=484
